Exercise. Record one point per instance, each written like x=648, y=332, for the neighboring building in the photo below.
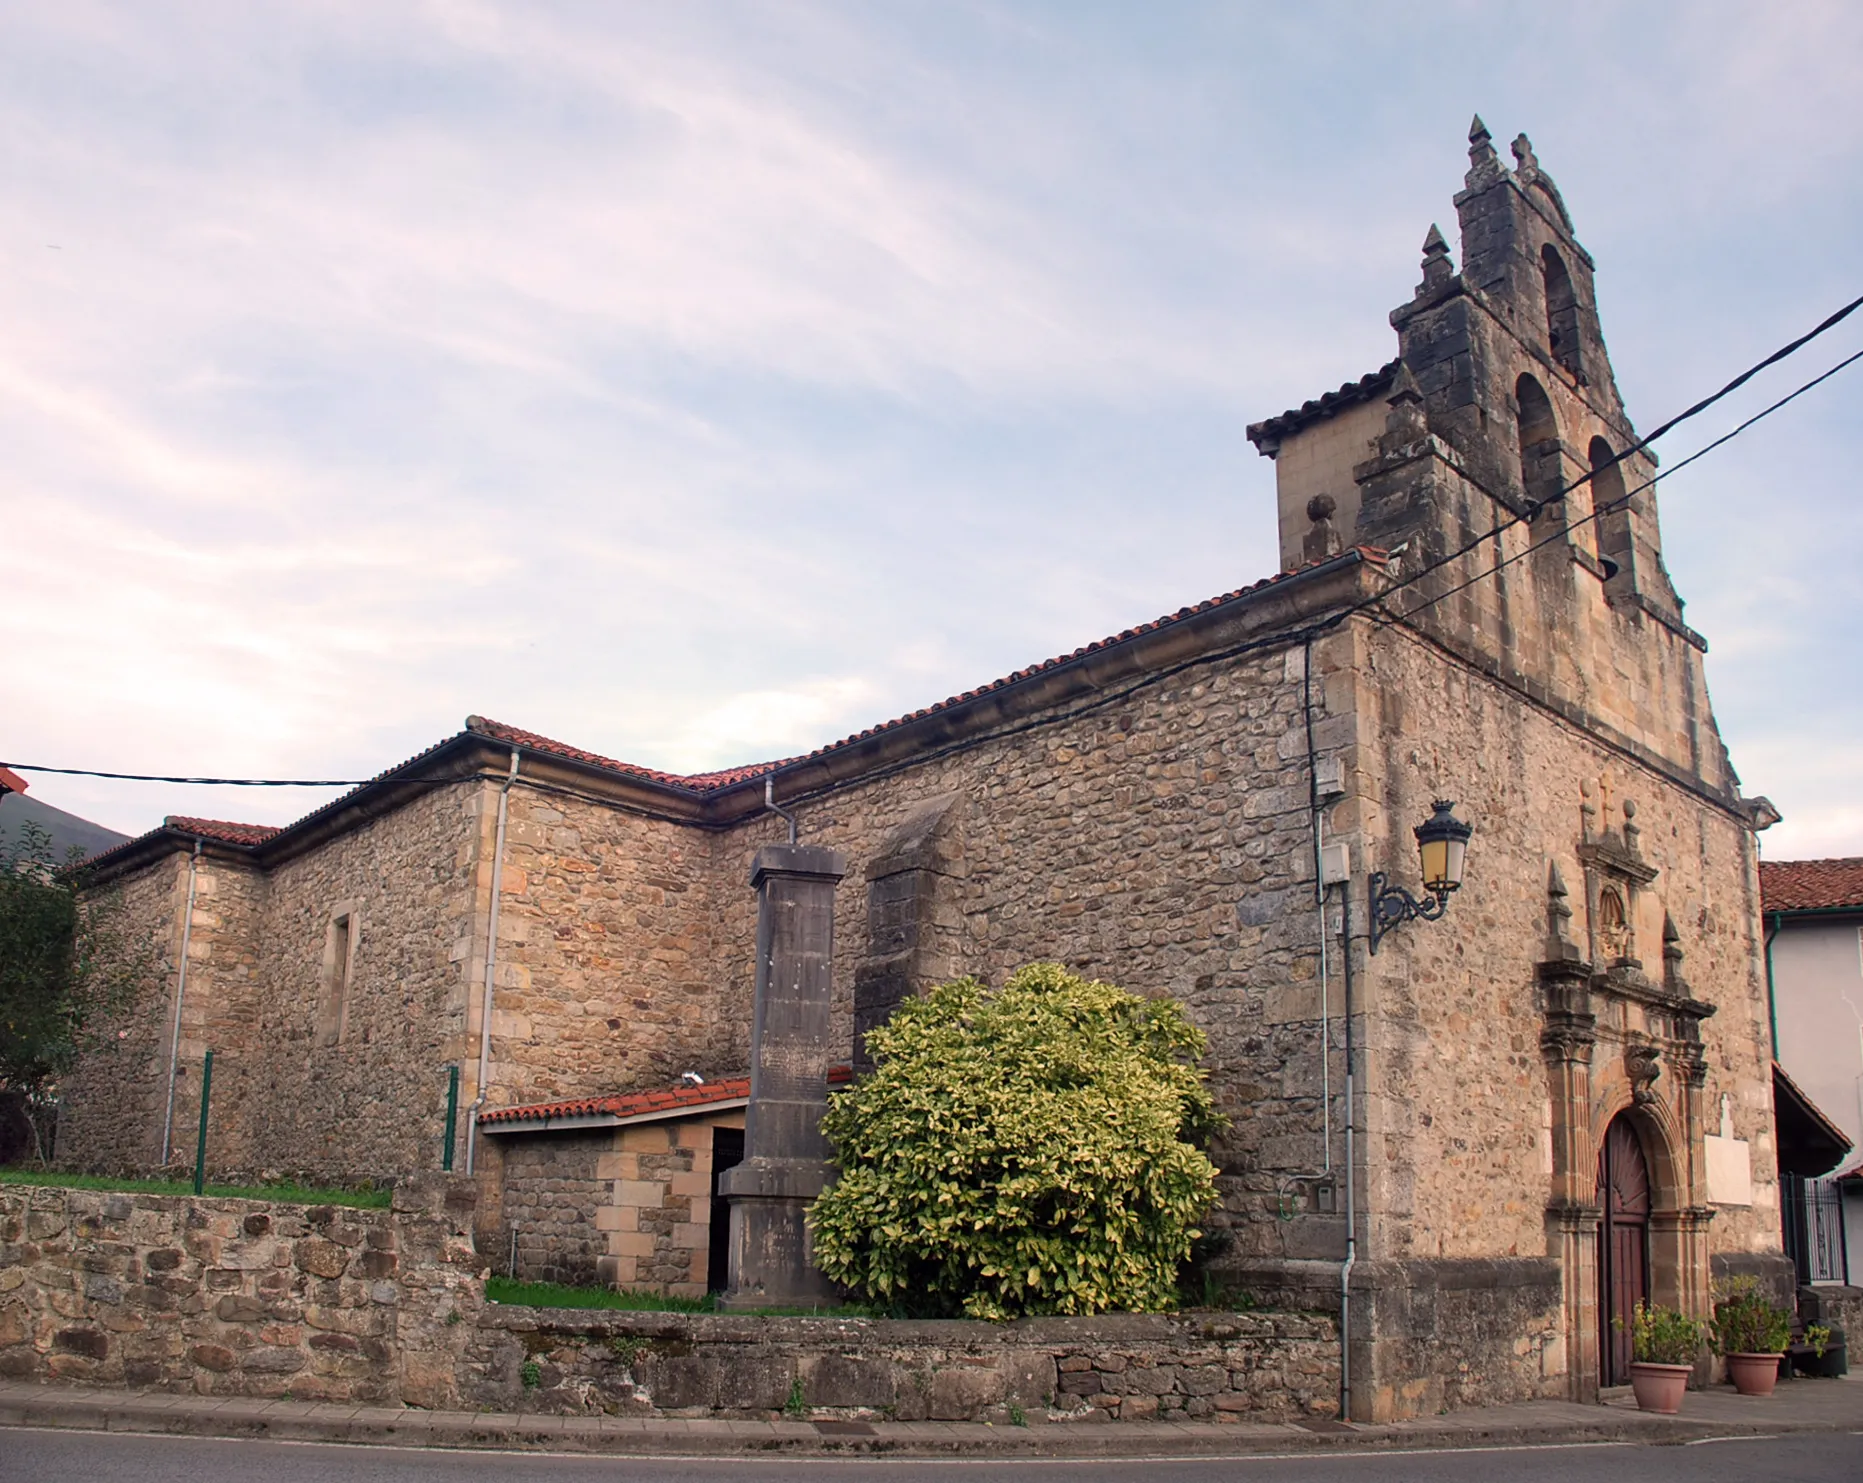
x=66, y=831
x=1814, y=975
x=1536, y=1080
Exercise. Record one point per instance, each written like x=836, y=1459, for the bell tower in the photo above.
x=1466, y=458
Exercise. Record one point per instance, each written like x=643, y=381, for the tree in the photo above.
x=1028, y=1150
x=65, y=971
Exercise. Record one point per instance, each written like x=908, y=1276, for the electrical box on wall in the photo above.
x=1335, y=864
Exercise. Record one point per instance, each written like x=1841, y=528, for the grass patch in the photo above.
x=560, y=1295
x=288, y=1194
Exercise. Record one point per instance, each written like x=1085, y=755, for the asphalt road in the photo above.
x=29, y=1456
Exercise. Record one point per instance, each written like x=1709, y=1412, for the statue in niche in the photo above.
x=1613, y=928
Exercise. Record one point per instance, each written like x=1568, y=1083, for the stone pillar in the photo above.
x=785, y=1156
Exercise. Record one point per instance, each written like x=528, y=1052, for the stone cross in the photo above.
x=785, y=1156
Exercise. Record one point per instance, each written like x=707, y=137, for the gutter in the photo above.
x=491, y=965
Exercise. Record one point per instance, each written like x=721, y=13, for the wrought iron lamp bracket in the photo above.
x=1392, y=906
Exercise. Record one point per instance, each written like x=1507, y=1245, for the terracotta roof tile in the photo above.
x=669, y=1101
x=221, y=829
x=1811, y=885
x=698, y=782
x=1324, y=405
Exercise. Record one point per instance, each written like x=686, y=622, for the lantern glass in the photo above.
x=1442, y=841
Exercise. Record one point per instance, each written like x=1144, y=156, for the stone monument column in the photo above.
x=785, y=1156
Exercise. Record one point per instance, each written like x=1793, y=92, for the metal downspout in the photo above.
x=181, y=993
x=1351, y=1181
x=1319, y=900
x=1772, y=1006
x=491, y=966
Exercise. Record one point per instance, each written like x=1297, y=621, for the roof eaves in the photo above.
x=1268, y=435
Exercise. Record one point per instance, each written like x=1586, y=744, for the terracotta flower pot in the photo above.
x=1659, y=1387
x=1753, y=1374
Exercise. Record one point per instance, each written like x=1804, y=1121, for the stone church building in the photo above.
x=1496, y=1131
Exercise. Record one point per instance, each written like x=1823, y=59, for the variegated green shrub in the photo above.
x=1024, y=1150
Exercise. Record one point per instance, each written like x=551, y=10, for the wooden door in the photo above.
x=1623, y=1245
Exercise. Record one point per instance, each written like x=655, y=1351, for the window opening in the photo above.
x=333, y=1005
x=1561, y=312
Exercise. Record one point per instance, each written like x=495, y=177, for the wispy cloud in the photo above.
x=703, y=383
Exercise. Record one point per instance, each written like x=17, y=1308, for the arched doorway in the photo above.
x=1623, y=1244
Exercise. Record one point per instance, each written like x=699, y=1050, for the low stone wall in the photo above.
x=240, y=1297
x=1836, y=1308
x=1241, y=1366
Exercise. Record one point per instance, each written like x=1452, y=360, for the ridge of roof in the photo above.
x=703, y=784
x=1811, y=885
x=1323, y=406
x=697, y=782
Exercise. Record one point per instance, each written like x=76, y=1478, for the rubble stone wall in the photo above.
x=625, y=1207
x=240, y=1297
x=110, y=1116
x=372, y=1102
x=1207, y=1366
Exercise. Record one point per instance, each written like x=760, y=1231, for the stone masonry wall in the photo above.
x=627, y=1207
x=1457, y=1090
x=552, y=1198
x=239, y=1297
x=606, y=971
x=373, y=1104
x=1208, y=1366
x=1163, y=843
x=110, y=1114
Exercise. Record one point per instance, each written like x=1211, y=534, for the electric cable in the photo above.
x=1278, y=639
x=1612, y=505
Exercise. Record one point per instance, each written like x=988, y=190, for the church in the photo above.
x=1431, y=831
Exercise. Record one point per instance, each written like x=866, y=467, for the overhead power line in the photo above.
x=1331, y=622
x=1623, y=499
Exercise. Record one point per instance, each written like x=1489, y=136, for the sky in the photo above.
x=701, y=383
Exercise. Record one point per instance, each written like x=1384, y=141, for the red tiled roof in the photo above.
x=703, y=783
x=1324, y=405
x=11, y=782
x=1811, y=885
x=665, y=1101
x=698, y=782
x=220, y=829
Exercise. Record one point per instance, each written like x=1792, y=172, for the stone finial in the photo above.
x=1526, y=166
x=1587, y=810
x=1437, y=266
x=1559, y=944
x=1322, y=538
x=1405, y=423
x=1631, y=832
x=1484, y=165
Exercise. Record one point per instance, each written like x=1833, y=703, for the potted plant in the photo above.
x=1750, y=1334
x=1663, y=1346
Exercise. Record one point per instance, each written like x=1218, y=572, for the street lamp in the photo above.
x=1442, y=842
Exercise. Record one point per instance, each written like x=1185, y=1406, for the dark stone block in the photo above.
x=845, y=1380
x=678, y=1381
x=257, y=1224
x=91, y=1343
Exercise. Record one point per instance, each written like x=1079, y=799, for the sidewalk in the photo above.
x=1799, y=1405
